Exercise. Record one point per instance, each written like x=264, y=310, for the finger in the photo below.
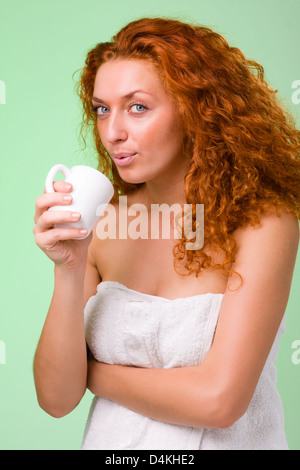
x=50, y=218
x=43, y=202
x=61, y=186
x=46, y=240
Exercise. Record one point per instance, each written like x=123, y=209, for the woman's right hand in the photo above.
x=62, y=245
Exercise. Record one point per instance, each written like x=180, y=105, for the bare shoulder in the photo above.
x=273, y=242
x=285, y=226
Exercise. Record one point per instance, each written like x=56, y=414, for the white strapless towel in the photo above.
x=127, y=327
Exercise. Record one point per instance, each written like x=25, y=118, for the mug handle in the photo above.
x=51, y=175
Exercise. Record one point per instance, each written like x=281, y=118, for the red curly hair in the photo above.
x=243, y=146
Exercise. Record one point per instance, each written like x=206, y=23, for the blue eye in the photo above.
x=101, y=110
x=140, y=108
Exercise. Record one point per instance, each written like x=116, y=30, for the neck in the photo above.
x=169, y=188
x=167, y=192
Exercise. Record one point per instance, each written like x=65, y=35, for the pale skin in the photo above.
x=218, y=391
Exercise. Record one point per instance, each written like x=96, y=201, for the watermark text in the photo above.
x=296, y=93
x=2, y=353
x=296, y=353
x=2, y=92
x=162, y=221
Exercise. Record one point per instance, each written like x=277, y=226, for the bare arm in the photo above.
x=218, y=391
x=60, y=363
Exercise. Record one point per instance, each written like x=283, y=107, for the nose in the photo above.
x=116, y=128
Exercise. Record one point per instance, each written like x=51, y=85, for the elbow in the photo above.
x=55, y=413
x=228, y=414
x=225, y=419
x=224, y=410
x=58, y=403
x=56, y=409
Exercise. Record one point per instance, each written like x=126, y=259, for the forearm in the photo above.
x=60, y=363
x=185, y=396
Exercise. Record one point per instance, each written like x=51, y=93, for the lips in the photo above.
x=123, y=154
x=123, y=159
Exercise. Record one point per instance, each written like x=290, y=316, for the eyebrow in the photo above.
x=129, y=95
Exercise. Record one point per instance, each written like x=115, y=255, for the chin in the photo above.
x=133, y=177
x=134, y=181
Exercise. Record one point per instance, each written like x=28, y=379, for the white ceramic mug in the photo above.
x=91, y=193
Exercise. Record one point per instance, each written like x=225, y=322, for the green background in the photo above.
x=42, y=43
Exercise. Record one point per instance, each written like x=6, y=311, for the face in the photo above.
x=137, y=121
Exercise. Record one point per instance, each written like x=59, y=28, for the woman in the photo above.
x=182, y=342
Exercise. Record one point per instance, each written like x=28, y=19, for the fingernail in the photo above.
x=67, y=198
x=83, y=231
x=75, y=215
x=68, y=186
